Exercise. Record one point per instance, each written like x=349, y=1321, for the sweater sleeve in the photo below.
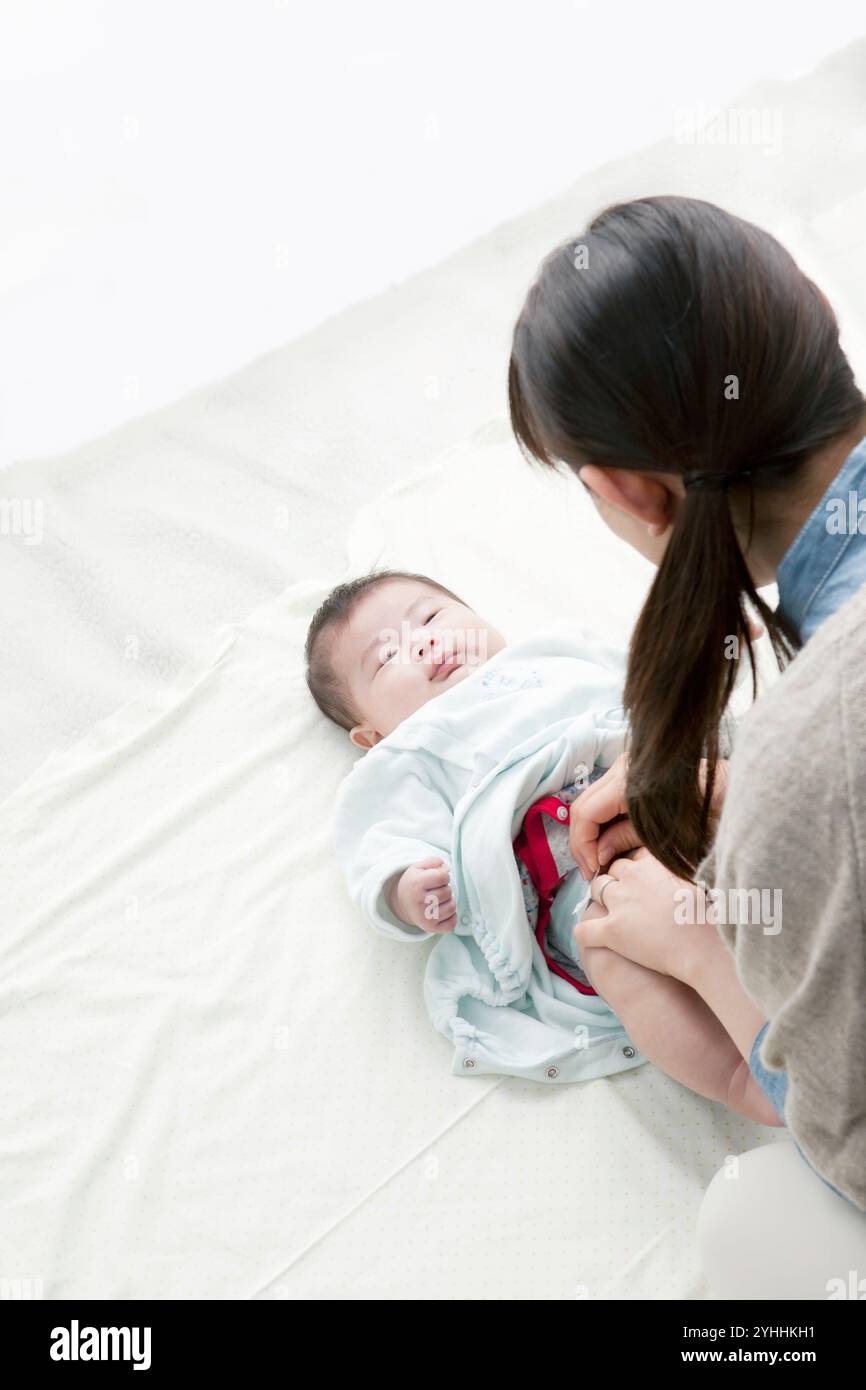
x=774, y=1084
x=384, y=822
x=787, y=867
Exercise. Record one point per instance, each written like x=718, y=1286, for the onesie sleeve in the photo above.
x=385, y=821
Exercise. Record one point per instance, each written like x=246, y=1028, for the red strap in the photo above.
x=532, y=848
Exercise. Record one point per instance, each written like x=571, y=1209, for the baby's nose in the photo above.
x=420, y=645
x=426, y=646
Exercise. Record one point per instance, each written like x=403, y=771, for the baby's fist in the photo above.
x=423, y=897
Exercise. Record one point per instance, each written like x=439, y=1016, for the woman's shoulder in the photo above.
x=795, y=804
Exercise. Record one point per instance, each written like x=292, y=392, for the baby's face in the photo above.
x=405, y=644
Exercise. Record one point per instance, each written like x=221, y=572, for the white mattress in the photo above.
x=218, y=1082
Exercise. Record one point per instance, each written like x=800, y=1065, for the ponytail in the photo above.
x=681, y=674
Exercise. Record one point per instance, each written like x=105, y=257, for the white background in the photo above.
x=186, y=185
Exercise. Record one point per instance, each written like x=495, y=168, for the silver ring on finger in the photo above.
x=608, y=881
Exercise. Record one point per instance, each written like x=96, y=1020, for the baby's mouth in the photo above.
x=443, y=670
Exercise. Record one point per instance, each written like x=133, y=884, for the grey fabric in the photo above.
x=794, y=821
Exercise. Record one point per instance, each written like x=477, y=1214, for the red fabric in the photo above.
x=532, y=849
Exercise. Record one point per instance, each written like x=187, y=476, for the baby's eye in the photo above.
x=432, y=616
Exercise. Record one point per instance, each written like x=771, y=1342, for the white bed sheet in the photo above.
x=218, y=1083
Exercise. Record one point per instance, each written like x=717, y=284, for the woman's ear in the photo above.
x=643, y=496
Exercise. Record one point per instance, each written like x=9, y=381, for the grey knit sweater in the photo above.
x=794, y=820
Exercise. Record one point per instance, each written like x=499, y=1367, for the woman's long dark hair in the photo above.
x=624, y=355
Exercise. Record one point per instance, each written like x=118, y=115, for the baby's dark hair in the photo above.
x=325, y=686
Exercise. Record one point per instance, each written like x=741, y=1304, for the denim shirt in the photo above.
x=826, y=562
x=821, y=569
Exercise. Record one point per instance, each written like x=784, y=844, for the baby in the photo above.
x=379, y=649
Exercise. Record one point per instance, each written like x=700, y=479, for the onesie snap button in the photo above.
x=465, y=919
x=628, y=1052
x=469, y=1063
x=553, y=1072
x=562, y=813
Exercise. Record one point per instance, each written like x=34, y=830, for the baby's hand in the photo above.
x=423, y=897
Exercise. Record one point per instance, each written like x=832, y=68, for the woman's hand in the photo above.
x=600, y=828
x=650, y=916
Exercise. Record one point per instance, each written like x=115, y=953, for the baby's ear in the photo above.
x=363, y=737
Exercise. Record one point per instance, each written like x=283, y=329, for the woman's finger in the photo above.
x=619, y=867
x=583, y=841
x=600, y=803
x=601, y=884
x=591, y=932
x=639, y=854
x=619, y=838
x=590, y=910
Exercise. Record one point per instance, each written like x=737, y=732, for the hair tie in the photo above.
x=707, y=481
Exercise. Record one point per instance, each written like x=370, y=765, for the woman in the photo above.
x=679, y=362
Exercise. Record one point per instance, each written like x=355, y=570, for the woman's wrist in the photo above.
x=697, y=944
